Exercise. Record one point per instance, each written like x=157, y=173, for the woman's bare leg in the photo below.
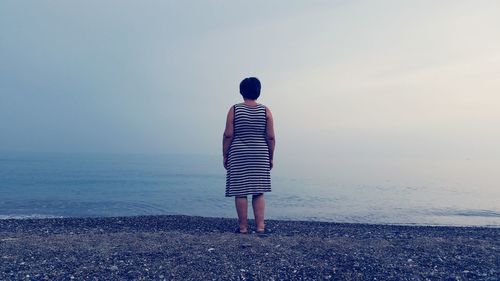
x=242, y=210
x=259, y=205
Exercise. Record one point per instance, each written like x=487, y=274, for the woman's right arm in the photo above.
x=271, y=140
x=228, y=136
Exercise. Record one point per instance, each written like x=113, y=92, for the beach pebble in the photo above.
x=9, y=239
x=144, y=254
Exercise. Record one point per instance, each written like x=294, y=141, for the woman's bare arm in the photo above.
x=228, y=135
x=271, y=139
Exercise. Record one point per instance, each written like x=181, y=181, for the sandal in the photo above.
x=263, y=232
x=237, y=230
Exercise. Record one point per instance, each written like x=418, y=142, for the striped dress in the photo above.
x=248, y=170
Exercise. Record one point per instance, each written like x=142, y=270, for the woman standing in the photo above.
x=248, y=148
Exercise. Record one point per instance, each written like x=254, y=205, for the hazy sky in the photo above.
x=355, y=79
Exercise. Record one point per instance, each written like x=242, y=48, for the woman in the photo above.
x=248, y=148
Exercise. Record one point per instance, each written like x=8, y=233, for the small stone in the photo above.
x=410, y=260
x=211, y=249
x=162, y=276
x=114, y=267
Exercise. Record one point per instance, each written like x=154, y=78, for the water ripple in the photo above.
x=466, y=213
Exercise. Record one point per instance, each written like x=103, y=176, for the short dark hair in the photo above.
x=250, y=88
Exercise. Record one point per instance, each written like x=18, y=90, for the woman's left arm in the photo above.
x=228, y=135
x=270, y=137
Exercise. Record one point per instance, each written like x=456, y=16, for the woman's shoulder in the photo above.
x=266, y=107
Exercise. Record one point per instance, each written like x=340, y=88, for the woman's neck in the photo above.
x=250, y=102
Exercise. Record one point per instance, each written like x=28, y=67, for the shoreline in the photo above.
x=42, y=217
x=178, y=247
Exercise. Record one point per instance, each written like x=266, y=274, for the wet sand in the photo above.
x=198, y=248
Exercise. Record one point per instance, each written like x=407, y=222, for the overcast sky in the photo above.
x=344, y=79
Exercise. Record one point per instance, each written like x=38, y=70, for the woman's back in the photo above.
x=250, y=123
x=248, y=170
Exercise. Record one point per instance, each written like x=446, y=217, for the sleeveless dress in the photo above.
x=248, y=170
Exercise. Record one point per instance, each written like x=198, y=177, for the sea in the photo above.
x=53, y=185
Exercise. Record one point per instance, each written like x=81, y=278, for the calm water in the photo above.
x=75, y=185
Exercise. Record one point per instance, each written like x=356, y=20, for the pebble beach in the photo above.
x=201, y=248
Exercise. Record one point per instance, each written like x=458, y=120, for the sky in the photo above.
x=395, y=81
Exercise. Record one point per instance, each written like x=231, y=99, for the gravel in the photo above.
x=199, y=248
